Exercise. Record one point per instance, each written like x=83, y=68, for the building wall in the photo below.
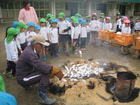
x=71, y=7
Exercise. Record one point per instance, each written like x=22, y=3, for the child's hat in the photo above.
x=22, y=25
x=137, y=18
x=15, y=24
x=37, y=27
x=94, y=14
x=127, y=21
x=118, y=13
x=101, y=13
x=68, y=19
x=77, y=15
x=31, y=24
x=84, y=22
x=72, y=17
x=52, y=18
x=49, y=15
x=42, y=20
x=61, y=15
x=122, y=16
x=54, y=21
x=11, y=32
x=87, y=16
x=108, y=18
x=80, y=20
x=101, y=16
x=75, y=21
x=125, y=18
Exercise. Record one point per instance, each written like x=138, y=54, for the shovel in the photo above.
x=105, y=98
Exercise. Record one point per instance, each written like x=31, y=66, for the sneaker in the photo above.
x=13, y=77
x=67, y=53
x=58, y=53
x=44, y=58
x=7, y=74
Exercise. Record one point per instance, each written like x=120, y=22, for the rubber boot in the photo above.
x=44, y=99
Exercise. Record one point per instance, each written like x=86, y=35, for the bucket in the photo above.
x=125, y=84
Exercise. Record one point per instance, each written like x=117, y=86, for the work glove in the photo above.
x=57, y=72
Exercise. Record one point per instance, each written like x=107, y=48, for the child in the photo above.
x=94, y=27
x=21, y=37
x=69, y=33
x=63, y=29
x=107, y=24
x=88, y=31
x=30, y=32
x=137, y=24
x=119, y=23
x=123, y=21
x=131, y=23
x=75, y=34
x=83, y=35
x=53, y=31
x=37, y=29
x=44, y=32
x=48, y=16
x=127, y=28
x=101, y=23
x=11, y=52
x=88, y=19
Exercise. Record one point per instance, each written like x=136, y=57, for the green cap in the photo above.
x=87, y=16
x=72, y=17
x=42, y=20
x=52, y=18
x=61, y=15
x=49, y=15
x=101, y=13
x=11, y=32
x=77, y=15
x=22, y=25
x=118, y=13
x=75, y=21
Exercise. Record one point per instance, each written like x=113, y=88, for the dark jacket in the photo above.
x=29, y=62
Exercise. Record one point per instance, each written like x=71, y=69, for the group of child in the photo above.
x=69, y=32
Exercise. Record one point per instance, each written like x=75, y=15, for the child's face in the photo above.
x=137, y=20
x=42, y=24
x=75, y=24
x=126, y=24
x=131, y=19
x=23, y=29
x=101, y=19
x=62, y=19
x=83, y=25
x=31, y=28
x=37, y=31
x=118, y=16
x=107, y=21
x=54, y=25
x=94, y=18
x=88, y=18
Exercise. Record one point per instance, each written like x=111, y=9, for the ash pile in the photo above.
x=95, y=72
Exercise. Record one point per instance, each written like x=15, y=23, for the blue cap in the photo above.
x=31, y=24
x=137, y=18
x=84, y=22
x=122, y=16
x=54, y=21
x=15, y=24
x=7, y=99
x=102, y=17
x=68, y=19
x=37, y=27
x=80, y=20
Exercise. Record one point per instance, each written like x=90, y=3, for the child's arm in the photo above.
x=18, y=43
x=13, y=53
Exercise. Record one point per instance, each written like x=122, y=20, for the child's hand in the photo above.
x=63, y=31
x=30, y=36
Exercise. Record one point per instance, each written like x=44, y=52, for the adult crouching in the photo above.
x=31, y=70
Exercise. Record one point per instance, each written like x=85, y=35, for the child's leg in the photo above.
x=59, y=46
x=88, y=37
x=84, y=42
x=81, y=46
x=93, y=37
x=55, y=48
x=66, y=46
x=13, y=69
x=9, y=66
x=73, y=46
